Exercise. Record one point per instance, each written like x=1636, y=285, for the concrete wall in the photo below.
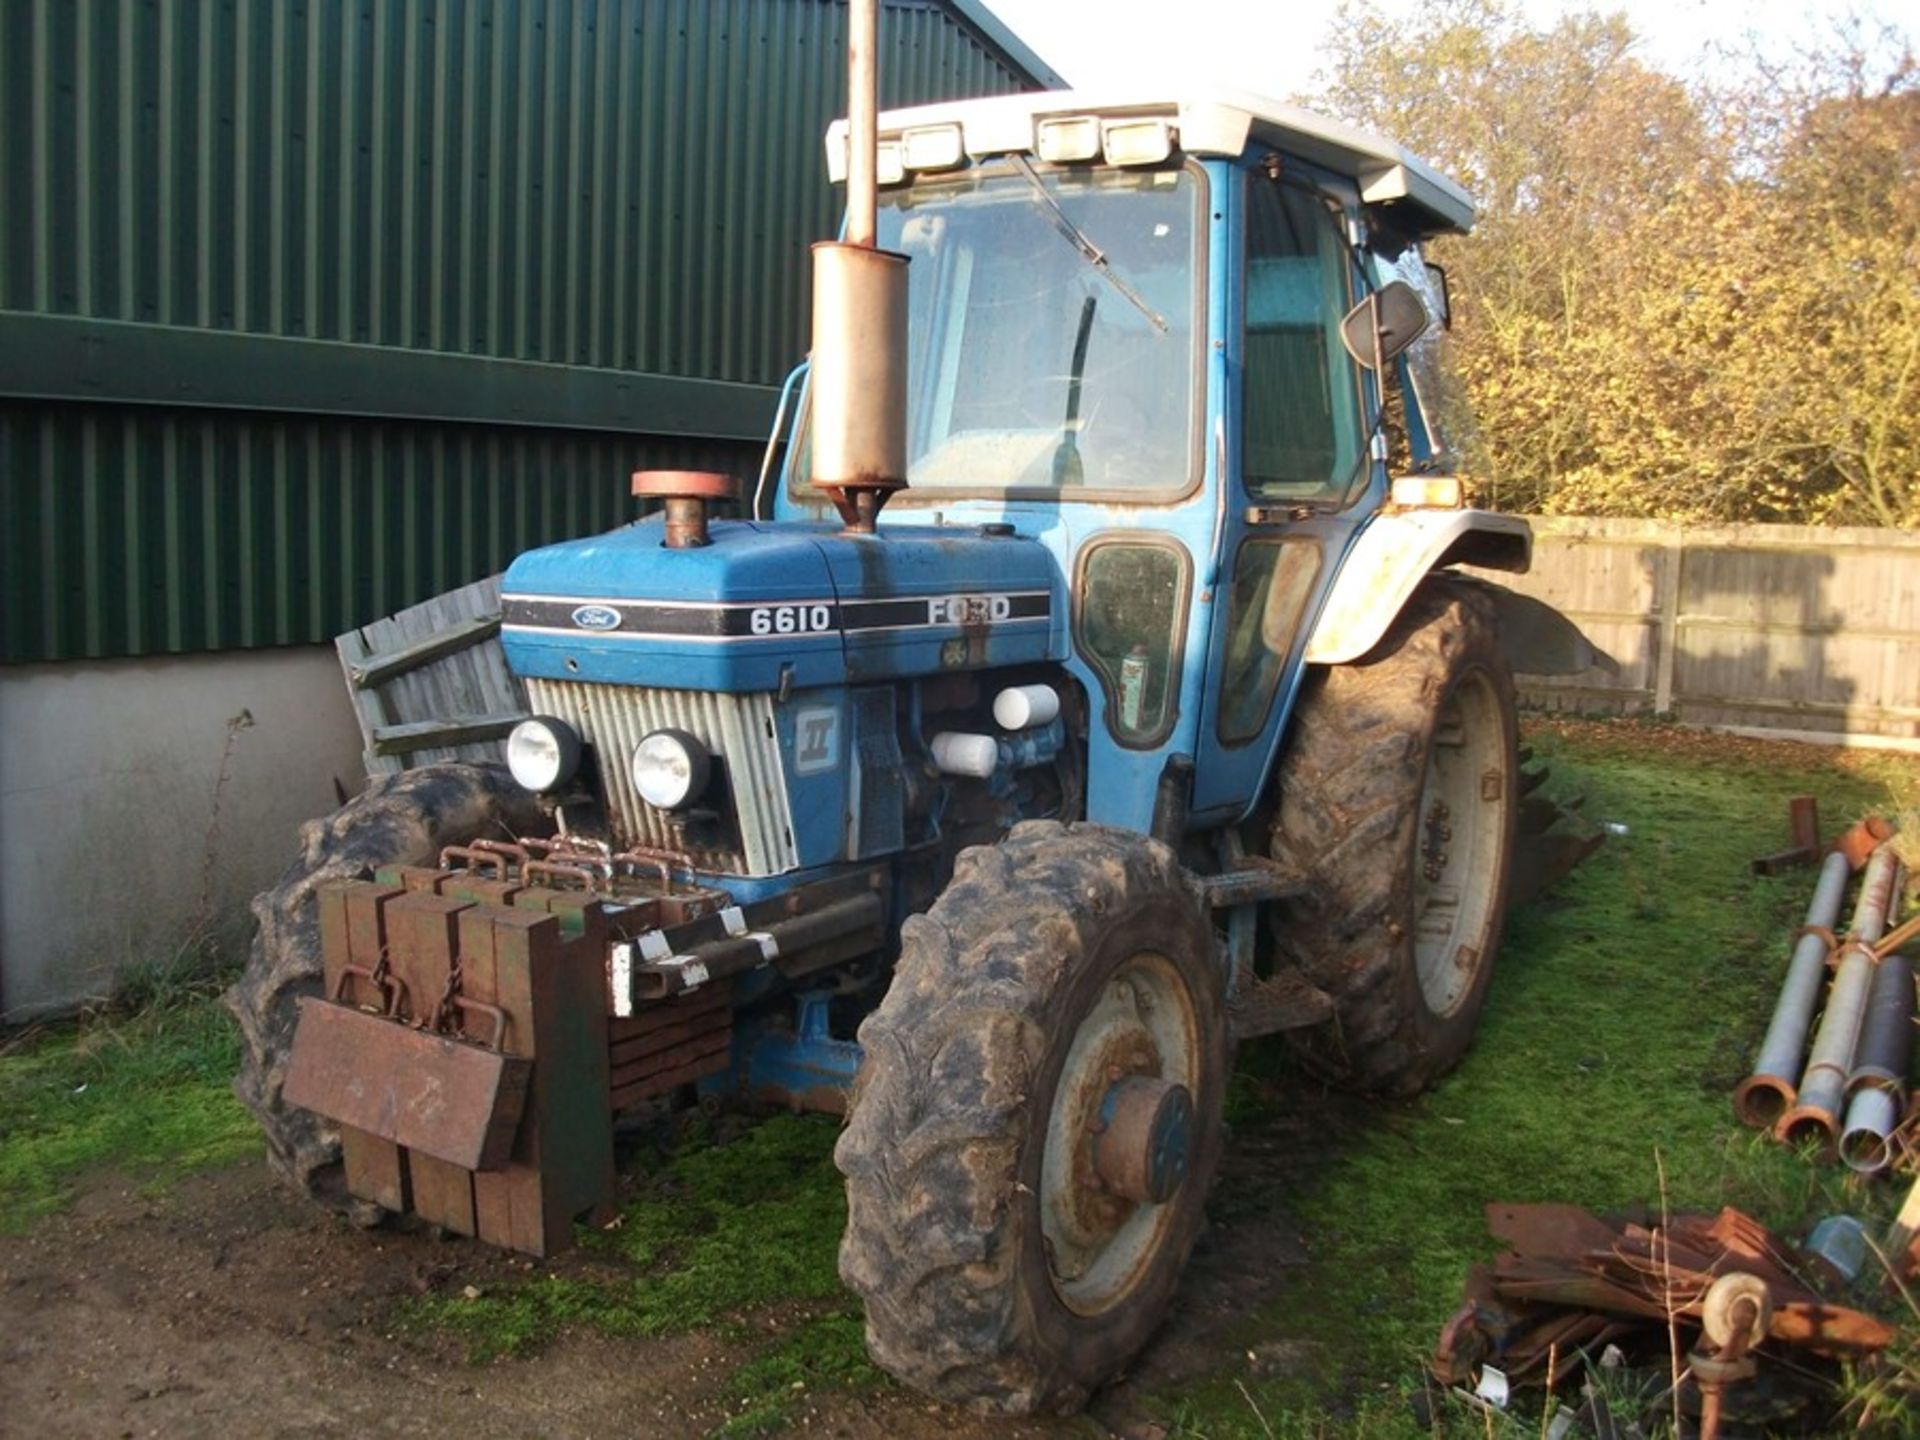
x=110, y=849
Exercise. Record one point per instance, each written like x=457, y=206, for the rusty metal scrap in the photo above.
x=428, y=1092
x=1570, y=1281
x=1803, y=825
x=671, y=1043
x=1859, y=841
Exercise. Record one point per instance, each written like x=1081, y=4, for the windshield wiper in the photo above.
x=1067, y=466
x=1077, y=237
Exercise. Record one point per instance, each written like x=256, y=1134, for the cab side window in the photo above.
x=1301, y=401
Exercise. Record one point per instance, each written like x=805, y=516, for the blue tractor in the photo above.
x=1150, y=716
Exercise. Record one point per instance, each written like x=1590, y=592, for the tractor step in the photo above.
x=1255, y=880
x=1288, y=1001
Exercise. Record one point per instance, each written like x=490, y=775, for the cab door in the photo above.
x=1301, y=474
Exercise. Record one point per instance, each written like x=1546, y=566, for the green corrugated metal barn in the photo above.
x=310, y=309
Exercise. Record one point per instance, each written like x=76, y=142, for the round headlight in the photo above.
x=670, y=769
x=543, y=753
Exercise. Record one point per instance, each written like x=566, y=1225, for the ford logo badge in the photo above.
x=597, y=617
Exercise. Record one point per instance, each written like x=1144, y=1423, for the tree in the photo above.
x=1678, y=302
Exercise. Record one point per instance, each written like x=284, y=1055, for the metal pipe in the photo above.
x=863, y=132
x=859, y=364
x=1766, y=1094
x=1877, y=890
x=718, y=959
x=686, y=522
x=1886, y=1035
x=1878, y=1084
x=1815, y=1113
x=1866, y=1142
x=773, y=444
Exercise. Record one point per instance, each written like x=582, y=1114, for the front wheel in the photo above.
x=1037, y=1120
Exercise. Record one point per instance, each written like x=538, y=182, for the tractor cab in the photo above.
x=1131, y=335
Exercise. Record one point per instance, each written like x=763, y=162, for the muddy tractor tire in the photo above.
x=1037, y=1120
x=403, y=819
x=1396, y=804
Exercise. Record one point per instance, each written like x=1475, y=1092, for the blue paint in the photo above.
x=748, y=564
x=773, y=1060
x=803, y=589
x=746, y=889
x=1030, y=748
x=817, y=790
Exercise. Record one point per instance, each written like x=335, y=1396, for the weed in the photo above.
x=1883, y=1395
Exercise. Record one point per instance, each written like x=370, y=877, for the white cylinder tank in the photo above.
x=1019, y=706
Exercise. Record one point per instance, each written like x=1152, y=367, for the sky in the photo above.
x=1268, y=46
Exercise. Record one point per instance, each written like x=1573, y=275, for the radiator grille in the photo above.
x=880, y=803
x=615, y=718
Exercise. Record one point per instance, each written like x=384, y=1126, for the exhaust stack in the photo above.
x=859, y=387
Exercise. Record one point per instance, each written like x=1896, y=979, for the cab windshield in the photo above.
x=1052, y=342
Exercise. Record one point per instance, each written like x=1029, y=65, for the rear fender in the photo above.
x=1538, y=639
x=1399, y=549
x=1396, y=551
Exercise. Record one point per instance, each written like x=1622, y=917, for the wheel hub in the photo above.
x=1121, y=1133
x=1143, y=1141
x=1462, y=818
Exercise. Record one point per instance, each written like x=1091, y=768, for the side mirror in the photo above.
x=1392, y=316
x=1437, y=285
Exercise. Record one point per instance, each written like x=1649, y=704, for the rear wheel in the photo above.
x=404, y=819
x=1037, y=1120
x=1396, y=805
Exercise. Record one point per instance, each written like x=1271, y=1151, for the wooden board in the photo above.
x=436, y=664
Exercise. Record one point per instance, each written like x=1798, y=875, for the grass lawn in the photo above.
x=143, y=1090
x=1626, y=1008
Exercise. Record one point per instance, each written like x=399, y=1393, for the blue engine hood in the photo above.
x=827, y=607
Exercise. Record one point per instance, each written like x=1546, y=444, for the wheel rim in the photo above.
x=1142, y=1026
x=1460, y=830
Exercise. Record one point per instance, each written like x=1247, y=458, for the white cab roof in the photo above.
x=1216, y=122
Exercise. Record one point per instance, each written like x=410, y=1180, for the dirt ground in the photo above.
x=226, y=1306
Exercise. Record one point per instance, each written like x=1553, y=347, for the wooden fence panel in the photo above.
x=1795, y=630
